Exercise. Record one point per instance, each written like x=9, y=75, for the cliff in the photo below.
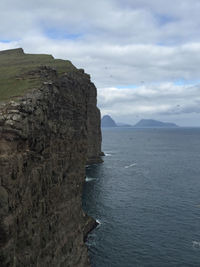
x=48, y=131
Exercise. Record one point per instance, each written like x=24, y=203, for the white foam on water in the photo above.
x=109, y=152
x=108, y=155
x=89, y=179
x=131, y=165
x=196, y=244
x=98, y=221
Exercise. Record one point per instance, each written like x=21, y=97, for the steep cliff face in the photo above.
x=47, y=134
x=94, y=130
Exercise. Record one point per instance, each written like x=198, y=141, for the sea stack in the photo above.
x=107, y=121
x=49, y=130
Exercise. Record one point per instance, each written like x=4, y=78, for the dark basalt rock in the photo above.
x=89, y=226
x=46, y=138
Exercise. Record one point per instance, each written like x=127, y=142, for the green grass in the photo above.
x=14, y=66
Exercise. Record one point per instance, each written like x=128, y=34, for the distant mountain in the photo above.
x=107, y=121
x=121, y=124
x=153, y=123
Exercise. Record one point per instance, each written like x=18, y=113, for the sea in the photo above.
x=146, y=198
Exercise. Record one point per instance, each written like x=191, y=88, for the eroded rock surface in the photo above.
x=46, y=138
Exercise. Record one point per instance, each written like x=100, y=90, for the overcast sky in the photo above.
x=142, y=55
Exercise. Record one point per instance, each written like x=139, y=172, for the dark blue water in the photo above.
x=146, y=196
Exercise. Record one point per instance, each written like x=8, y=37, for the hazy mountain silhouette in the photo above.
x=154, y=123
x=107, y=121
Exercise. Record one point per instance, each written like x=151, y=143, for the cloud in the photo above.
x=120, y=43
x=164, y=100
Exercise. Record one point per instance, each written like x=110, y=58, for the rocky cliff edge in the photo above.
x=48, y=131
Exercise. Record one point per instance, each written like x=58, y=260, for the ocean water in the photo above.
x=146, y=196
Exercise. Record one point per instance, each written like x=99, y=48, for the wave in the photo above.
x=108, y=155
x=131, y=165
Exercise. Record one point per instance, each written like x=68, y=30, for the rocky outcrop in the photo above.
x=46, y=138
x=107, y=121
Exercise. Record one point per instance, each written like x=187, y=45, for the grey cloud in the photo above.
x=139, y=21
x=150, y=101
x=119, y=43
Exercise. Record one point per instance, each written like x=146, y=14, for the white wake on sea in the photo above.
x=131, y=165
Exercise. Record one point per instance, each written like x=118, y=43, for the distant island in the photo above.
x=154, y=124
x=107, y=121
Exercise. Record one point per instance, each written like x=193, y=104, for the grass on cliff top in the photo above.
x=14, y=64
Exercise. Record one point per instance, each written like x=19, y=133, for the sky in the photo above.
x=142, y=55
